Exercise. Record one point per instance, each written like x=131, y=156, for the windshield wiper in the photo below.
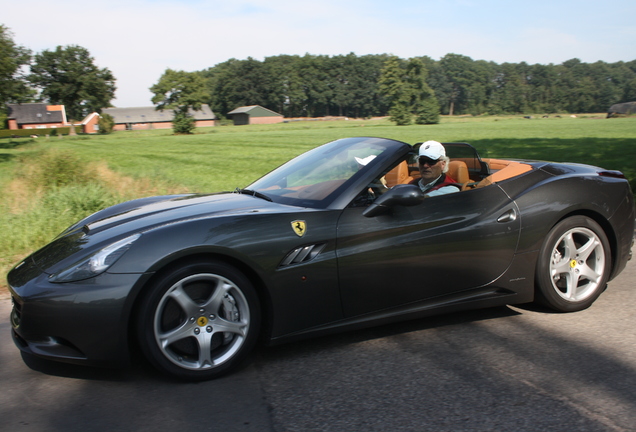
x=253, y=193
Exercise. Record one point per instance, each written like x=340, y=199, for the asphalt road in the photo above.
x=502, y=369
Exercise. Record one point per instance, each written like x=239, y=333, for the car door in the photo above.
x=446, y=245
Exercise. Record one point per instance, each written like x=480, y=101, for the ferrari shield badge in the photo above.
x=299, y=227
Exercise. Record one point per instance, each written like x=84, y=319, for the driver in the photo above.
x=433, y=165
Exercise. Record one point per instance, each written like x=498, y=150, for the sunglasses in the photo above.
x=427, y=161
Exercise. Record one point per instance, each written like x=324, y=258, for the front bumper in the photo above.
x=85, y=322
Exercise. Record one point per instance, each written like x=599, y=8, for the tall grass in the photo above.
x=50, y=190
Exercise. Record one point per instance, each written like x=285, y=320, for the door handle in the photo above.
x=509, y=216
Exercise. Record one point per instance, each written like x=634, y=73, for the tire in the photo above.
x=574, y=265
x=199, y=321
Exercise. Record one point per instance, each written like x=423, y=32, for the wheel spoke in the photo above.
x=204, y=340
x=175, y=335
x=589, y=273
x=224, y=326
x=585, y=250
x=178, y=294
x=561, y=267
x=572, y=281
x=215, y=302
x=570, y=247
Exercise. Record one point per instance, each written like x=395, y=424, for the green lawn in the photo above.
x=226, y=157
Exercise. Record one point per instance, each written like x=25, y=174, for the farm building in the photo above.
x=254, y=114
x=36, y=116
x=619, y=109
x=149, y=118
x=44, y=116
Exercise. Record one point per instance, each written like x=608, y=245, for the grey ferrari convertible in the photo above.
x=339, y=238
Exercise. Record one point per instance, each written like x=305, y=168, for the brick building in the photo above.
x=36, y=116
x=45, y=116
x=149, y=118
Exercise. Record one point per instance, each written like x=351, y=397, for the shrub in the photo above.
x=106, y=123
x=183, y=123
x=428, y=112
x=10, y=133
x=400, y=114
x=54, y=168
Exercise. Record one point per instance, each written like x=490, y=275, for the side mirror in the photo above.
x=404, y=195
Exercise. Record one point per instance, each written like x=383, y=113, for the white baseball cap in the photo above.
x=432, y=150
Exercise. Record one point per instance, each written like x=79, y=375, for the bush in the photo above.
x=47, y=216
x=106, y=123
x=400, y=114
x=54, y=168
x=76, y=202
x=428, y=112
x=10, y=133
x=183, y=123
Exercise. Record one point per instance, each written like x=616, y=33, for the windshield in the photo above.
x=314, y=179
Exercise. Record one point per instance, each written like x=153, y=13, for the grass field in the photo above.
x=124, y=165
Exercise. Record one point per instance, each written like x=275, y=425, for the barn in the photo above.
x=36, y=116
x=621, y=109
x=141, y=118
x=44, y=116
x=254, y=114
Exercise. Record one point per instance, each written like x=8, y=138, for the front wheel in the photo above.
x=574, y=265
x=199, y=321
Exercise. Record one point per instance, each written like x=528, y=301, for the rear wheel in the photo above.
x=199, y=321
x=574, y=265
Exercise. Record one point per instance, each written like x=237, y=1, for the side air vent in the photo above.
x=302, y=254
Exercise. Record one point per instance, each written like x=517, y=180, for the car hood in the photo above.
x=146, y=213
x=143, y=215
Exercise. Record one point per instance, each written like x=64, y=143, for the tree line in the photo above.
x=351, y=85
x=418, y=88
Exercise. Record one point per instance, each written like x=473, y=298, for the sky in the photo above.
x=137, y=40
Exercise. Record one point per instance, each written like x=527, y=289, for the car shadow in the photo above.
x=382, y=331
x=141, y=370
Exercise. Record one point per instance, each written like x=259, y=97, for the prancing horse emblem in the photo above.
x=299, y=227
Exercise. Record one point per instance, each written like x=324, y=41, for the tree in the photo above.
x=68, y=76
x=315, y=84
x=14, y=87
x=404, y=85
x=183, y=122
x=459, y=71
x=350, y=85
x=238, y=83
x=286, y=92
x=423, y=100
x=106, y=123
x=180, y=91
x=392, y=87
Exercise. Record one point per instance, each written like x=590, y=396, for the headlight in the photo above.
x=96, y=263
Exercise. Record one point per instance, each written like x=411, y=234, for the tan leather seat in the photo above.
x=458, y=171
x=398, y=175
x=505, y=170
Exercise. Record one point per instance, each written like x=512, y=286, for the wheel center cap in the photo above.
x=202, y=321
x=572, y=263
